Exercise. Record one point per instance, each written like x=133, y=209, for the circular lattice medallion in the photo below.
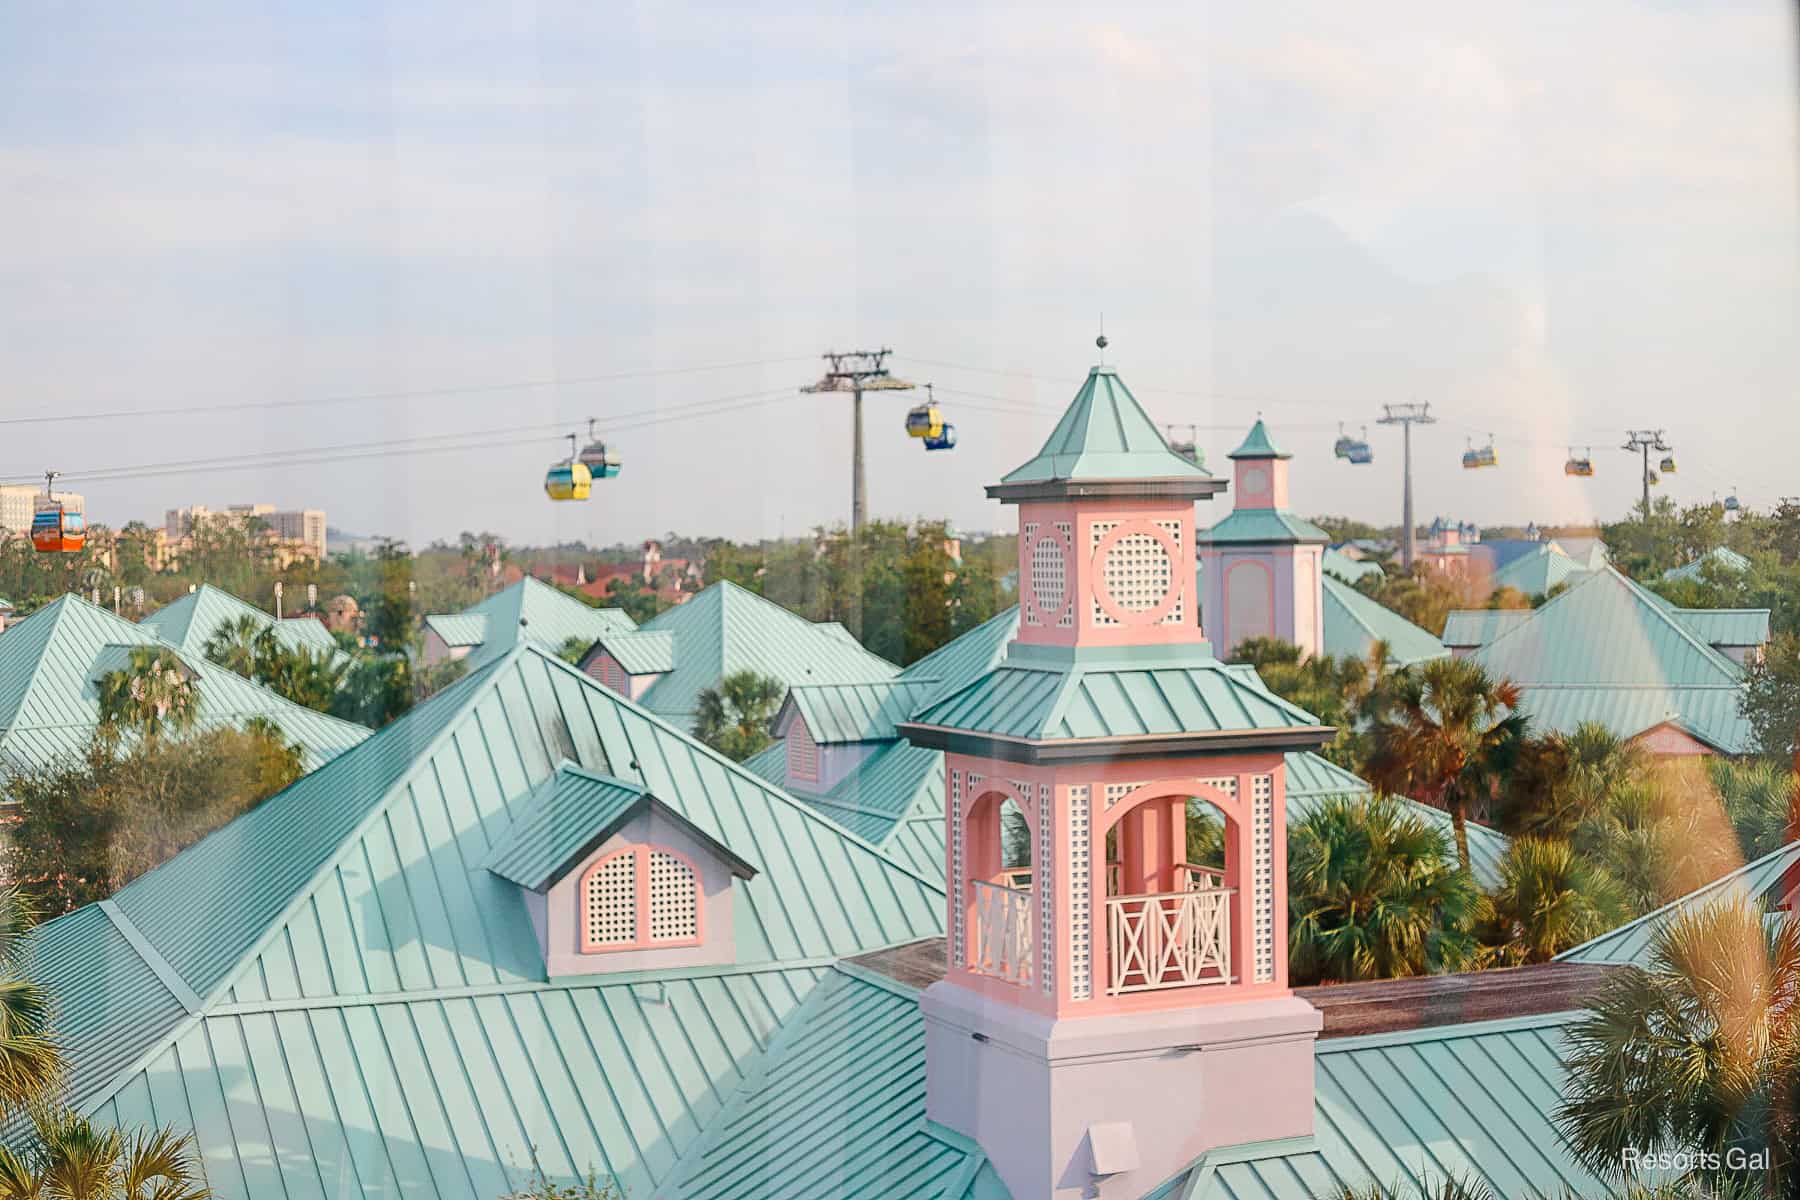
x=1135, y=565
x=1050, y=591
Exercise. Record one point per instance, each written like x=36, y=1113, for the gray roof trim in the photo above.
x=153, y=959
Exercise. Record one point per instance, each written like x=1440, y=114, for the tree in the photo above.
x=249, y=647
x=1331, y=688
x=1660, y=834
x=70, y=1158
x=387, y=608
x=574, y=649
x=1448, y=730
x=1761, y=800
x=1696, y=1051
x=1556, y=782
x=1550, y=898
x=1374, y=892
x=639, y=602
x=376, y=689
x=154, y=694
x=733, y=718
x=30, y=1061
x=542, y=1187
x=89, y=824
x=1771, y=700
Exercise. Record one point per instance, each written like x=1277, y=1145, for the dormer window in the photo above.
x=802, y=753
x=613, y=879
x=638, y=898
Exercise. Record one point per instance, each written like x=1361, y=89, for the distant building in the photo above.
x=294, y=533
x=19, y=500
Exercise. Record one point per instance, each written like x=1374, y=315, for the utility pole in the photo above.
x=1644, y=441
x=1406, y=416
x=856, y=372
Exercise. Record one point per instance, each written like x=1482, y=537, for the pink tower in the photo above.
x=1111, y=1009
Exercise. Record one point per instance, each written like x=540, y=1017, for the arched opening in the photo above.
x=1172, y=888
x=1000, y=834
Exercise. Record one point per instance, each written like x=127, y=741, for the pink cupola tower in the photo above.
x=1112, y=1009
x=1261, y=565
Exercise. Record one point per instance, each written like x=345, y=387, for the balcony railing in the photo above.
x=1003, y=940
x=1169, y=939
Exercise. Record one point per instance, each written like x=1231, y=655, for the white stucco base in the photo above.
x=1030, y=1088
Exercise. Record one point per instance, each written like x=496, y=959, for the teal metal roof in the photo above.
x=642, y=651
x=530, y=609
x=836, y=1108
x=1470, y=627
x=1112, y=699
x=1607, y=650
x=1354, y=623
x=50, y=703
x=1263, y=525
x=459, y=629
x=457, y=1095
x=371, y=1005
x=1475, y=1103
x=1104, y=434
x=726, y=628
x=1539, y=570
x=570, y=813
x=1718, y=559
x=189, y=622
x=1336, y=562
x=1630, y=944
x=856, y=712
x=1256, y=444
x=1737, y=627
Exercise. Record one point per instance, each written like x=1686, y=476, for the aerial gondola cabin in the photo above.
x=925, y=421
x=601, y=462
x=1341, y=447
x=1667, y=466
x=946, y=439
x=568, y=481
x=1579, y=465
x=56, y=528
x=1732, y=503
x=1476, y=457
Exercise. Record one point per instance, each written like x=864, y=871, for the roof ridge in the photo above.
x=57, y=610
x=1641, y=594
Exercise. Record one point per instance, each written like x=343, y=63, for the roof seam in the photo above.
x=170, y=978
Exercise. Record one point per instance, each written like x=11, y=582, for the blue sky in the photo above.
x=1551, y=221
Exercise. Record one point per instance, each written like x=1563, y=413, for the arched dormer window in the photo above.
x=638, y=898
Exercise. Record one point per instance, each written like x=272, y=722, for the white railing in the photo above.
x=1198, y=878
x=1169, y=940
x=1016, y=878
x=1002, y=932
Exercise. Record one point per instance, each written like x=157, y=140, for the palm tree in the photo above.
x=153, y=695
x=307, y=678
x=734, y=717
x=1762, y=800
x=1373, y=893
x=30, y=1062
x=1696, y=1051
x=1549, y=899
x=241, y=645
x=1446, y=730
x=73, y=1159
x=1556, y=782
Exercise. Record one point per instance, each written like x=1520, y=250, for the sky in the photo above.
x=472, y=227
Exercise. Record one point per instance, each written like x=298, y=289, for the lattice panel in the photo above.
x=1097, y=532
x=1223, y=783
x=1043, y=874
x=1024, y=801
x=1067, y=620
x=1177, y=614
x=674, y=899
x=1262, y=876
x=1138, y=573
x=1081, y=933
x=610, y=902
x=1028, y=612
x=1049, y=579
x=957, y=906
x=1116, y=792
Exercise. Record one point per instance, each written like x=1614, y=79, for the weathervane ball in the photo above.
x=1101, y=341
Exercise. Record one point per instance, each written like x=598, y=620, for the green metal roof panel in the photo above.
x=533, y=609
x=1737, y=627
x=364, y=877
x=726, y=628
x=1606, y=630
x=1256, y=444
x=1630, y=944
x=1718, y=559
x=1711, y=714
x=836, y=713
x=569, y=813
x=1263, y=525
x=1336, y=562
x=968, y=657
x=459, y=629
x=1104, y=434
x=49, y=702
x=836, y=1108
x=190, y=621
x=642, y=651
x=1354, y=623
x=1110, y=700
x=1470, y=627
x=461, y=1096
x=1539, y=570
x=1476, y=1103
